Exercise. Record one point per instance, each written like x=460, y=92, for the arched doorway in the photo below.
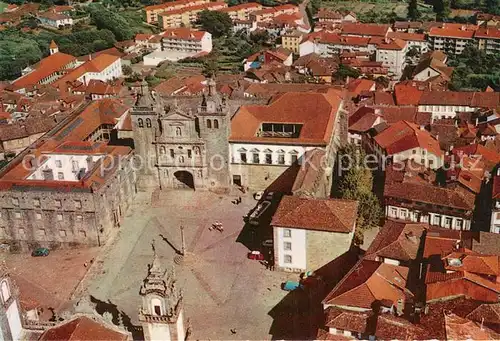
x=183, y=179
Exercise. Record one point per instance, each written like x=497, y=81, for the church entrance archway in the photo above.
x=183, y=179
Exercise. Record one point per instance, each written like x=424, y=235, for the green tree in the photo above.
x=210, y=67
x=106, y=19
x=215, y=22
x=127, y=70
x=442, y=9
x=413, y=11
x=493, y=6
x=356, y=183
x=345, y=71
x=16, y=53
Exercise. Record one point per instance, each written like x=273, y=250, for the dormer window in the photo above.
x=140, y=123
x=148, y=123
x=284, y=130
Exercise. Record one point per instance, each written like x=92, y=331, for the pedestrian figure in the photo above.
x=239, y=200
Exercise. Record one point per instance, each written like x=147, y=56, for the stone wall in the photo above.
x=323, y=247
x=258, y=177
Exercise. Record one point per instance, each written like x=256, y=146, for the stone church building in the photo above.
x=179, y=148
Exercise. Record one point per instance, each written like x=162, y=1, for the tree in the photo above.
x=413, y=11
x=210, y=67
x=345, y=71
x=215, y=22
x=492, y=6
x=441, y=8
x=356, y=183
x=127, y=70
x=106, y=19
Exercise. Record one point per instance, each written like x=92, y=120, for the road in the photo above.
x=302, y=8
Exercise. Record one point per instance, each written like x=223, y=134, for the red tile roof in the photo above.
x=407, y=95
x=201, y=7
x=458, y=328
x=356, y=86
x=97, y=64
x=332, y=215
x=361, y=29
x=414, y=189
x=83, y=328
x=46, y=67
x=403, y=135
x=342, y=319
x=397, y=240
x=471, y=261
x=315, y=111
x=183, y=33
x=407, y=36
x=487, y=33
x=451, y=32
x=370, y=281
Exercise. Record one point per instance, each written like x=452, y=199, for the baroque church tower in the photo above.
x=162, y=313
x=214, y=124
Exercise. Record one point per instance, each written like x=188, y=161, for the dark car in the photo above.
x=40, y=252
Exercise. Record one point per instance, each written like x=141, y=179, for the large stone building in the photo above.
x=179, y=148
x=73, y=186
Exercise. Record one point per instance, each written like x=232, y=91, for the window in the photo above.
x=447, y=222
x=294, y=158
x=216, y=124
x=59, y=217
x=287, y=233
x=140, y=123
x=256, y=158
x=83, y=234
x=79, y=217
x=281, y=159
x=431, y=162
x=62, y=233
x=17, y=215
x=189, y=153
x=163, y=150
x=394, y=212
x=243, y=157
x=157, y=310
x=181, y=159
x=172, y=153
x=60, y=176
x=414, y=151
x=15, y=201
x=209, y=124
x=148, y=123
x=178, y=131
x=269, y=159
x=287, y=246
x=36, y=202
x=58, y=203
x=58, y=164
x=196, y=150
x=288, y=259
x=437, y=220
x=38, y=216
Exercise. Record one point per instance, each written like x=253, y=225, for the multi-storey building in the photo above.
x=291, y=40
x=495, y=208
x=266, y=139
x=153, y=11
x=272, y=12
x=451, y=38
x=186, y=40
x=242, y=11
x=488, y=39
x=73, y=186
x=410, y=194
x=55, y=20
x=392, y=54
x=186, y=16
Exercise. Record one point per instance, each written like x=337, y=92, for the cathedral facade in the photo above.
x=182, y=148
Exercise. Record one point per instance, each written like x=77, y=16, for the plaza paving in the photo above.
x=223, y=289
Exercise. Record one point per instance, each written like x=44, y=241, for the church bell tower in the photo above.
x=161, y=314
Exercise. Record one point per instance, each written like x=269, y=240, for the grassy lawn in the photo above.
x=3, y=5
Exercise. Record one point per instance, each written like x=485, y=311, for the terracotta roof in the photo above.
x=353, y=321
x=183, y=33
x=397, y=240
x=407, y=24
x=397, y=185
x=83, y=328
x=390, y=327
x=458, y=328
x=332, y=215
x=490, y=157
x=46, y=67
x=244, y=6
x=316, y=113
x=53, y=44
x=53, y=16
x=201, y=7
x=97, y=64
x=403, y=135
x=356, y=86
x=363, y=120
x=487, y=313
x=370, y=281
x=407, y=95
x=334, y=38
x=451, y=32
x=361, y=29
x=471, y=261
x=166, y=5
x=388, y=43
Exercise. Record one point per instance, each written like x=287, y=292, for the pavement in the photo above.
x=223, y=289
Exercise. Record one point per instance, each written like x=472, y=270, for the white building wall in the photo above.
x=14, y=319
x=445, y=111
x=298, y=250
x=237, y=148
x=113, y=71
x=65, y=164
x=159, y=332
x=436, y=219
x=180, y=326
x=206, y=42
x=425, y=74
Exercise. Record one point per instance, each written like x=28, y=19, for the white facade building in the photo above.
x=55, y=20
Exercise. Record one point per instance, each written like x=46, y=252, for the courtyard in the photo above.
x=223, y=290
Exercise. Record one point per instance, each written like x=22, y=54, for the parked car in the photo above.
x=255, y=255
x=40, y=252
x=291, y=285
x=267, y=243
x=259, y=210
